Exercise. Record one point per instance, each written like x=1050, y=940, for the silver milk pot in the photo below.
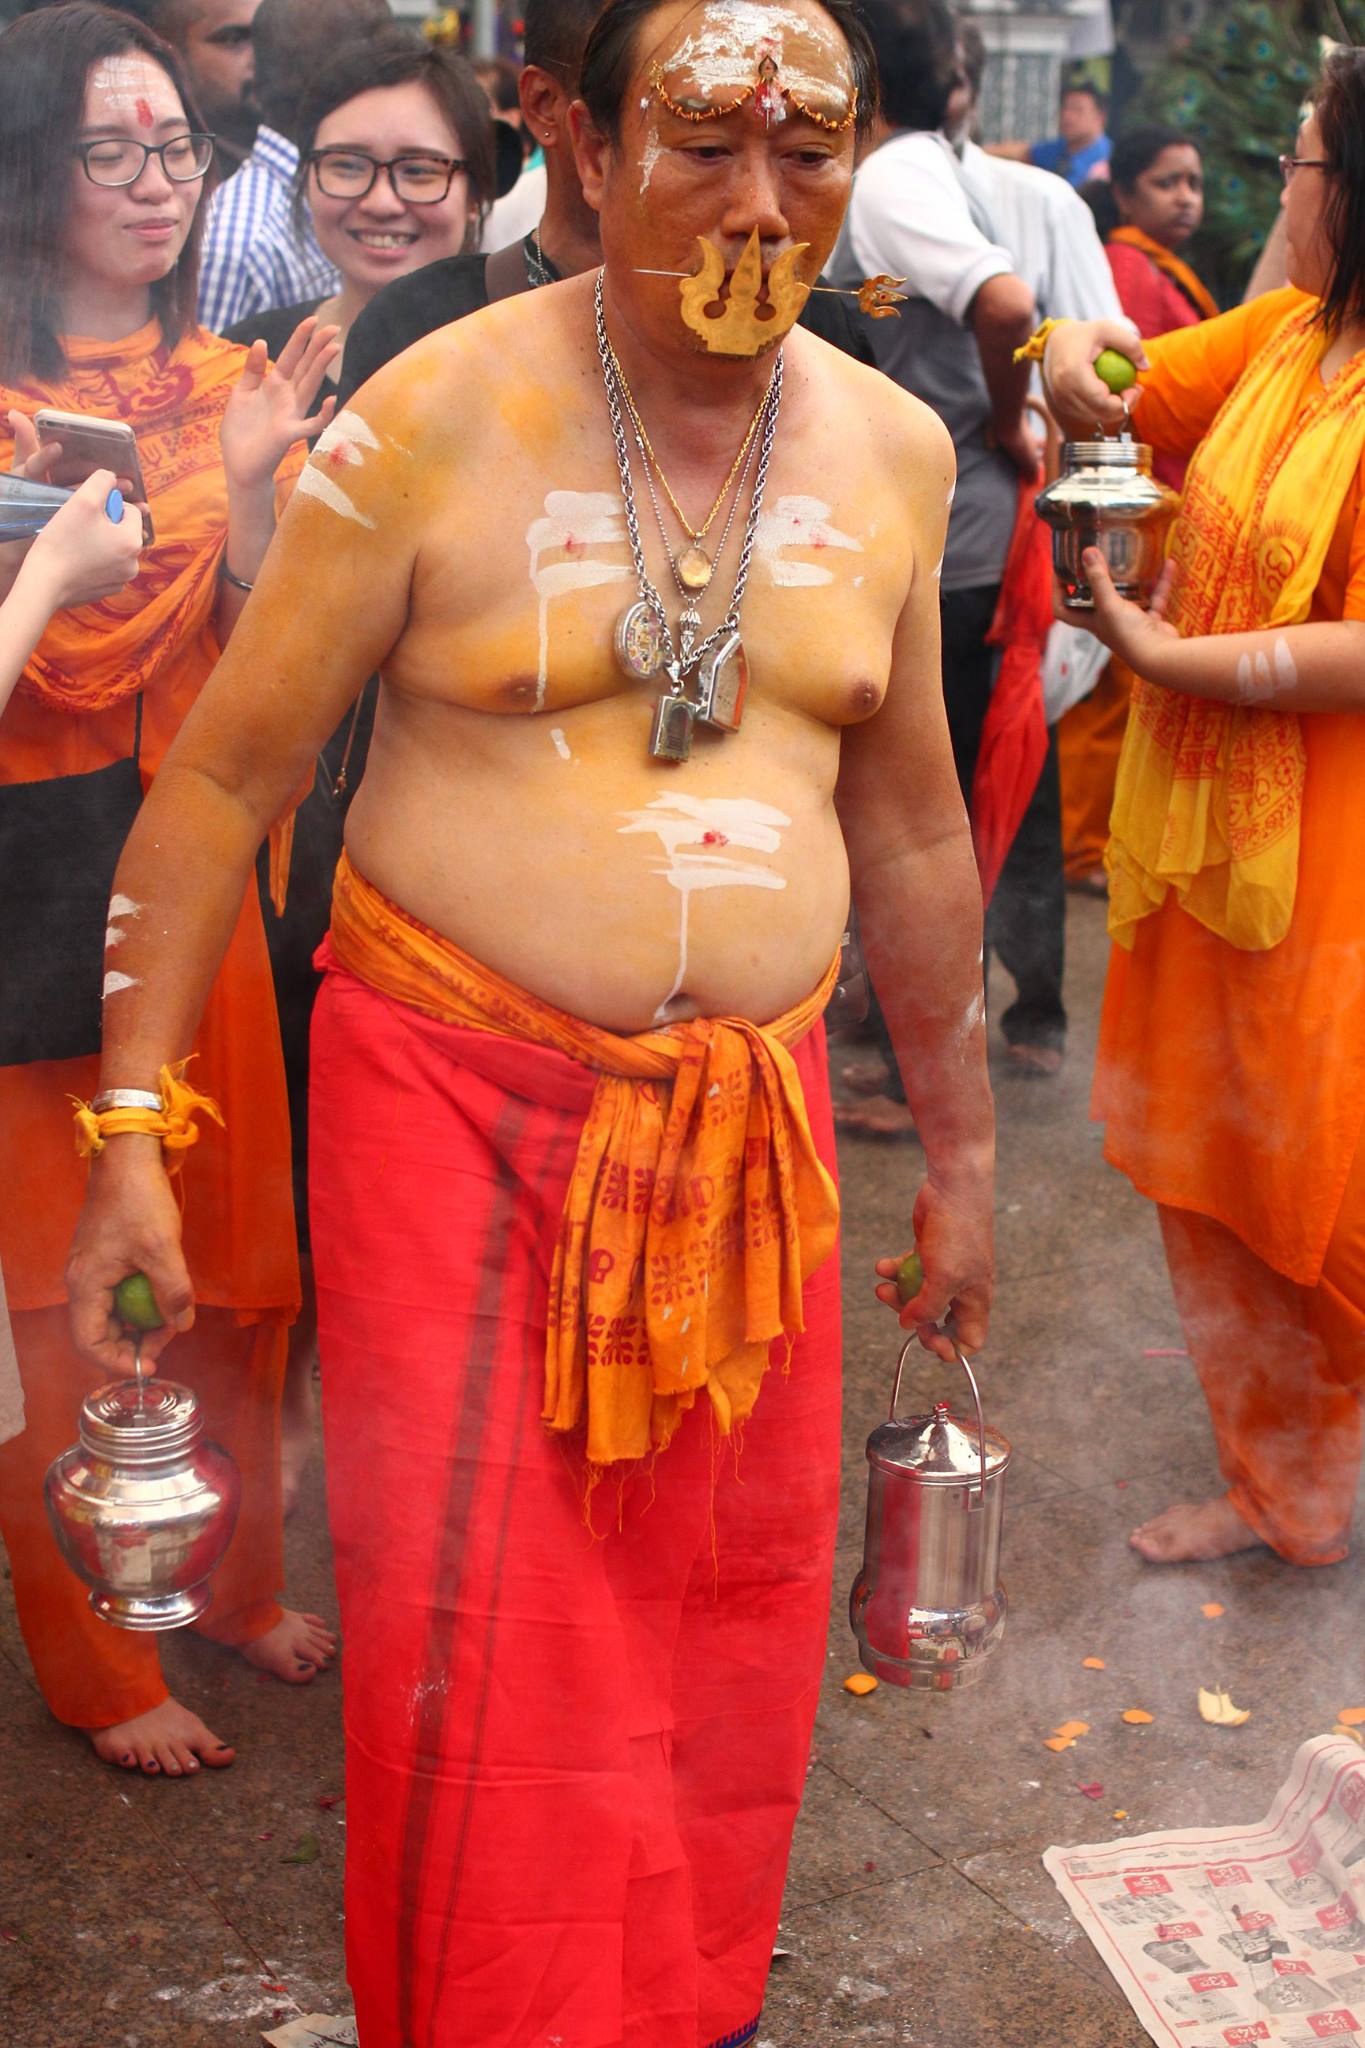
x=1107, y=498
x=143, y=1509
x=927, y=1607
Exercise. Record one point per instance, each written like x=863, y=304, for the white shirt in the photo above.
x=1049, y=232
x=512, y=217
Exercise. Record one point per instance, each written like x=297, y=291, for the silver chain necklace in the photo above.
x=707, y=680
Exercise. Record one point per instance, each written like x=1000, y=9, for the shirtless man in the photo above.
x=567, y=1069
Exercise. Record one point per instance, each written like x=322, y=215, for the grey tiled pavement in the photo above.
x=141, y=1914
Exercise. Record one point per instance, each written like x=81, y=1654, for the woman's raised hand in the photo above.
x=1078, y=398
x=273, y=405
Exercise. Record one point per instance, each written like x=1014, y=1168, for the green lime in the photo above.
x=910, y=1277
x=135, y=1304
x=1115, y=370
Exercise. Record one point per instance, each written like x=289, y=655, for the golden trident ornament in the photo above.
x=739, y=330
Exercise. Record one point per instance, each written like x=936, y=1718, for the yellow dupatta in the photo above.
x=1209, y=797
x=1170, y=265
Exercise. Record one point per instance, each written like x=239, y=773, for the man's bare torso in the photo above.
x=510, y=802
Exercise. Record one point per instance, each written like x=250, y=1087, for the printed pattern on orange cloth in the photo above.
x=697, y=1206
x=1209, y=796
x=97, y=654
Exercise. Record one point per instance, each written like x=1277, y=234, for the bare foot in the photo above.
x=1213, y=1528
x=168, y=1742
x=297, y=1412
x=865, y=1077
x=1038, y=1062
x=296, y=1649
x=876, y=1116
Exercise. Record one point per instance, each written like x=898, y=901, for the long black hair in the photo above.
x=399, y=56
x=45, y=61
x=609, y=60
x=1339, y=104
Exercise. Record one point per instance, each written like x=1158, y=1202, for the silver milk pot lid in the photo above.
x=937, y=1448
x=132, y=1421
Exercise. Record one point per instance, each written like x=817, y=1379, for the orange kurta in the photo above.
x=74, y=711
x=159, y=635
x=1233, y=1082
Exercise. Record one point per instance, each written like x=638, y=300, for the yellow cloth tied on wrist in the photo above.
x=697, y=1206
x=1209, y=796
x=174, y=1123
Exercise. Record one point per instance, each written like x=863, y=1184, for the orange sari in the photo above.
x=72, y=712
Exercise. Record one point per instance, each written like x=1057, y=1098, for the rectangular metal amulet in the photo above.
x=671, y=738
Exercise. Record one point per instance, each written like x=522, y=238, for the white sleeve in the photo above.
x=909, y=216
x=1080, y=282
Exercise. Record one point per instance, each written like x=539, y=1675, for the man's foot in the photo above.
x=297, y=1415
x=296, y=1649
x=876, y=1117
x=1187, y=1533
x=169, y=1742
x=865, y=1077
x=1038, y=1062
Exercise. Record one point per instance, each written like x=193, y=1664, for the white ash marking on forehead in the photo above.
x=722, y=52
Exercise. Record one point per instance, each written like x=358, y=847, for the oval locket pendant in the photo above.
x=640, y=641
x=694, y=568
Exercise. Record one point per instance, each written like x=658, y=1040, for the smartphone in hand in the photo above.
x=88, y=443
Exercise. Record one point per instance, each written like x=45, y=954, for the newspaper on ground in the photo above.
x=1219, y=1936
x=315, y=2030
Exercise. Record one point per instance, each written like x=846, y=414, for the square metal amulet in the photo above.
x=671, y=738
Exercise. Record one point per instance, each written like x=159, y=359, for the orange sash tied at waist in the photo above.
x=697, y=1206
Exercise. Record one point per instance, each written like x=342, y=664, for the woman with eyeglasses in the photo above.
x=396, y=168
x=102, y=167
x=1232, y=1045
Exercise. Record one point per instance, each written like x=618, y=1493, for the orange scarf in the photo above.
x=1209, y=798
x=698, y=1204
x=1170, y=266
x=97, y=654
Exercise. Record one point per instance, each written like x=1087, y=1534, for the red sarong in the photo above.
x=573, y=1760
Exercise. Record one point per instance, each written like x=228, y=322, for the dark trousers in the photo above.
x=1025, y=925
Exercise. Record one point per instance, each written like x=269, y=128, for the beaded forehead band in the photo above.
x=771, y=101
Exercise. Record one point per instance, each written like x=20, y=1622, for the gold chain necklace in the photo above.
x=694, y=567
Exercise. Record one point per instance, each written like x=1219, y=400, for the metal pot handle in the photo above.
x=980, y=1500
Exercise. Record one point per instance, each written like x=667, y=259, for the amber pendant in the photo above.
x=694, y=567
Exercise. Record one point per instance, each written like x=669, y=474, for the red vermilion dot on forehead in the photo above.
x=145, y=117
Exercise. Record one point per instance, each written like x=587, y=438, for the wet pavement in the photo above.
x=145, y=1914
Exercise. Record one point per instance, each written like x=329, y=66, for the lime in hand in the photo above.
x=909, y=1277
x=135, y=1303
x=1115, y=370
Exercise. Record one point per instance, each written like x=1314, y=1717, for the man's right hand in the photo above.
x=130, y=1224
x=1080, y=401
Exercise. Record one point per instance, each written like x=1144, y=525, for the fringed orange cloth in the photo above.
x=698, y=1204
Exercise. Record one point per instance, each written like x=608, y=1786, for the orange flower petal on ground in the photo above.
x=1092, y=1663
x=860, y=1682
x=1137, y=1717
x=1211, y=1610
x=1352, y=1717
x=1065, y=1734
x=1059, y=1742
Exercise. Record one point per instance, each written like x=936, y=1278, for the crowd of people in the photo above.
x=458, y=835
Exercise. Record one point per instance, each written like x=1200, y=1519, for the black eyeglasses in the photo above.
x=118, y=160
x=1290, y=164
x=416, y=180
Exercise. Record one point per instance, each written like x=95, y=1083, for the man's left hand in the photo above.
x=955, y=1238
x=1141, y=637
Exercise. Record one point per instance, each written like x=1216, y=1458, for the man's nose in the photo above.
x=754, y=198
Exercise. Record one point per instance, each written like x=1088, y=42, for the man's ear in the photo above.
x=591, y=150
x=544, y=104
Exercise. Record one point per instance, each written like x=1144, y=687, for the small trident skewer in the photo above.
x=880, y=297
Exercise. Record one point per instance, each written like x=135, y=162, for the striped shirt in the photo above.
x=254, y=257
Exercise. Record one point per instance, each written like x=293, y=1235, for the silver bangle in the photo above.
x=126, y=1098
x=237, y=582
